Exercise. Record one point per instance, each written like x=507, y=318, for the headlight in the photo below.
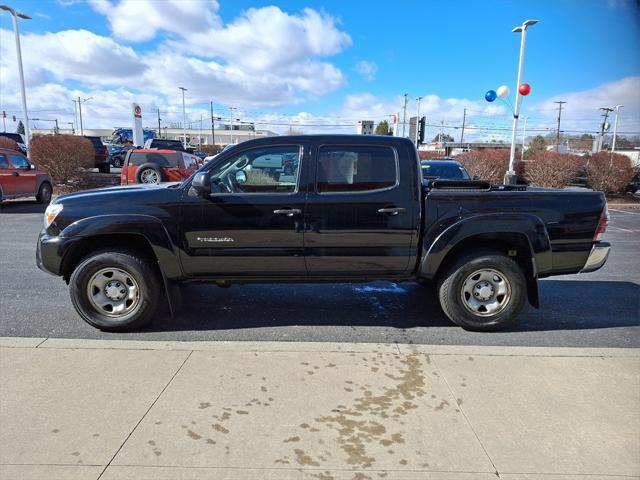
x=51, y=213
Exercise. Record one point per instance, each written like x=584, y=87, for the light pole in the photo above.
x=233, y=109
x=404, y=115
x=15, y=15
x=56, y=130
x=510, y=177
x=184, y=119
x=73, y=130
x=615, y=128
x=80, y=101
x=417, y=119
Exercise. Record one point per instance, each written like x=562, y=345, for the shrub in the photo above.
x=62, y=155
x=8, y=143
x=489, y=165
x=609, y=173
x=551, y=169
x=211, y=149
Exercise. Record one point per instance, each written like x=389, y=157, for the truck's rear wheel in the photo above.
x=115, y=291
x=483, y=291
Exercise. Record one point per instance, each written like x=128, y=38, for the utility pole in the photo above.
x=73, y=130
x=75, y=114
x=606, y=111
x=80, y=110
x=418, y=119
x=524, y=136
x=4, y=121
x=615, y=128
x=464, y=119
x=404, y=115
x=231, y=110
x=213, y=127
x=560, y=103
x=159, y=127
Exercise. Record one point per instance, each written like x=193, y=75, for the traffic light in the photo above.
x=421, y=128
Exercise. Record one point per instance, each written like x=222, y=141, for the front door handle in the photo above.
x=15, y=174
x=289, y=212
x=392, y=210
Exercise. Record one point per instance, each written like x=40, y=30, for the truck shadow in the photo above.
x=22, y=206
x=566, y=305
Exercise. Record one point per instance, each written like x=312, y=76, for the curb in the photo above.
x=309, y=347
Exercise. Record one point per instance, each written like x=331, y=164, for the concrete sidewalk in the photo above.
x=89, y=409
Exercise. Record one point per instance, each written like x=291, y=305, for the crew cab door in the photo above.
x=362, y=212
x=252, y=222
x=25, y=178
x=7, y=176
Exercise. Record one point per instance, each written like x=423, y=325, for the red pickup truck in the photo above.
x=19, y=178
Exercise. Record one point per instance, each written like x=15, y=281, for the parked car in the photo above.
x=355, y=210
x=165, y=144
x=155, y=166
x=211, y=157
x=117, y=156
x=102, y=154
x=19, y=178
x=16, y=137
x=444, y=169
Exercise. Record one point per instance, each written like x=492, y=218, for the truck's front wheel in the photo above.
x=483, y=291
x=115, y=291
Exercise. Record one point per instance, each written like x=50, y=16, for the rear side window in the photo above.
x=190, y=162
x=97, y=143
x=161, y=159
x=355, y=169
x=3, y=162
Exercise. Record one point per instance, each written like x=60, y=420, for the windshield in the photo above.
x=453, y=171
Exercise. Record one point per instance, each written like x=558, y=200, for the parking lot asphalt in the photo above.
x=600, y=309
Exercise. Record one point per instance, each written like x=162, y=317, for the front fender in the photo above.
x=530, y=227
x=151, y=228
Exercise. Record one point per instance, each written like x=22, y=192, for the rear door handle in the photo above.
x=289, y=212
x=392, y=210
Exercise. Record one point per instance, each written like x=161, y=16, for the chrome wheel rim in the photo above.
x=149, y=176
x=113, y=292
x=486, y=292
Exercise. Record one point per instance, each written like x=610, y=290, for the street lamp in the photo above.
x=615, y=128
x=510, y=177
x=16, y=32
x=184, y=119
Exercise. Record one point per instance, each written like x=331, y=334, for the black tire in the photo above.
x=117, y=163
x=145, y=278
x=44, y=193
x=104, y=168
x=148, y=167
x=454, y=295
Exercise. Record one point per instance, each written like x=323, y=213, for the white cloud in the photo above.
x=367, y=69
x=141, y=20
x=582, y=110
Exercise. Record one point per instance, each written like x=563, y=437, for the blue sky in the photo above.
x=581, y=49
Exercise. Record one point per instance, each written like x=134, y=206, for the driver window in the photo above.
x=19, y=161
x=260, y=170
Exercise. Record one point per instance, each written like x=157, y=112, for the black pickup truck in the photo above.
x=352, y=209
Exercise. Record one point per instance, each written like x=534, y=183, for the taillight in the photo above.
x=602, y=224
x=106, y=152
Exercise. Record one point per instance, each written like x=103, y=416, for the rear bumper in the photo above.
x=597, y=258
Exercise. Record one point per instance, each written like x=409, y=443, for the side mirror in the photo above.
x=476, y=177
x=201, y=184
x=32, y=166
x=241, y=177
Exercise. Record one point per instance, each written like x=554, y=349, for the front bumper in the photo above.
x=50, y=252
x=597, y=258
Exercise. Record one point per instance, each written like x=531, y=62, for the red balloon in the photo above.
x=524, y=89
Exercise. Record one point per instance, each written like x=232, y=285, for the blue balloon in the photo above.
x=490, y=96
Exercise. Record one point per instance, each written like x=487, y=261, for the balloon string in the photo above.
x=508, y=102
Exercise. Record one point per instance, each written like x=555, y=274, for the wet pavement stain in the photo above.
x=292, y=439
x=443, y=403
x=193, y=435
x=55, y=430
x=75, y=454
x=303, y=459
x=204, y=405
x=211, y=441
x=242, y=412
x=220, y=428
x=323, y=476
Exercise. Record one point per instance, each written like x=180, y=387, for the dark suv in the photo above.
x=16, y=137
x=102, y=154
